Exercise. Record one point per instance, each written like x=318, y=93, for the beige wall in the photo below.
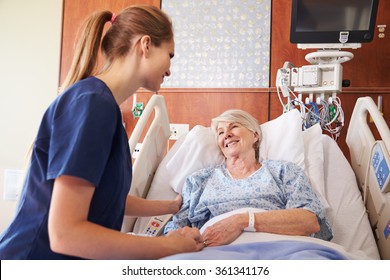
x=30, y=37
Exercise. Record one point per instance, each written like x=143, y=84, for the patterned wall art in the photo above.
x=220, y=43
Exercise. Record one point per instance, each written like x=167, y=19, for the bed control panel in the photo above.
x=380, y=163
x=156, y=225
x=386, y=231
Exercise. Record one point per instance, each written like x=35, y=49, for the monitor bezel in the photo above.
x=331, y=37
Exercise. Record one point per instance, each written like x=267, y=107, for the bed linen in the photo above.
x=276, y=250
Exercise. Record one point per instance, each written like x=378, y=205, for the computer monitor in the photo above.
x=333, y=22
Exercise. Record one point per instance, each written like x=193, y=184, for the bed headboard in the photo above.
x=362, y=145
x=151, y=151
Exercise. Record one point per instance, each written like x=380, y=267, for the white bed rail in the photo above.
x=151, y=152
x=361, y=143
x=359, y=136
x=161, y=120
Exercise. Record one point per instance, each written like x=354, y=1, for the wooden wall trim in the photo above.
x=360, y=90
x=385, y=90
x=210, y=90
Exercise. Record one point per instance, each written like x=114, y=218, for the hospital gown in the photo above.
x=276, y=185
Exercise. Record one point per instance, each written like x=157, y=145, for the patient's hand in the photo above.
x=223, y=232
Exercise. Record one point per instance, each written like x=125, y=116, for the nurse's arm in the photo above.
x=140, y=207
x=71, y=233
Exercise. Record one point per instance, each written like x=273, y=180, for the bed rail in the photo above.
x=151, y=152
x=361, y=143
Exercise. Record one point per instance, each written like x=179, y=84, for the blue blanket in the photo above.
x=275, y=250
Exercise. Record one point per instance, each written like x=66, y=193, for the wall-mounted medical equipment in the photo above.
x=333, y=22
x=328, y=26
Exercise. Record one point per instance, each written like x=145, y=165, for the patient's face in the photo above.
x=235, y=140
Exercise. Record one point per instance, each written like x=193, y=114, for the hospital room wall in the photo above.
x=185, y=105
x=367, y=72
x=29, y=58
x=198, y=107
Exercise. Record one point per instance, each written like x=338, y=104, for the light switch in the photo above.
x=12, y=183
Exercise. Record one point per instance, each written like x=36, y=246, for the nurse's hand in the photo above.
x=177, y=203
x=186, y=239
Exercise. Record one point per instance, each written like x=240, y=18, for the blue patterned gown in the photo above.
x=210, y=192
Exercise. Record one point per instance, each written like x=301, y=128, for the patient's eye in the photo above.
x=235, y=125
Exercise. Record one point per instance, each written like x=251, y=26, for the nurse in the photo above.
x=75, y=194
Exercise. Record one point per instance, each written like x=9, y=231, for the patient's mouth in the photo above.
x=231, y=143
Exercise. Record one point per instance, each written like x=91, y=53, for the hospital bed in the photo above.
x=159, y=173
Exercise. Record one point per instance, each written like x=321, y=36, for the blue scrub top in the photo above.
x=81, y=135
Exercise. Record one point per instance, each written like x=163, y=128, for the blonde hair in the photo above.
x=245, y=119
x=131, y=22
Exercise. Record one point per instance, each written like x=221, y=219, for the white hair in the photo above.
x=243, y=118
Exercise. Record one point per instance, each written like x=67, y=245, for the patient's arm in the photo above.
x=289, y=222
x=141, y=207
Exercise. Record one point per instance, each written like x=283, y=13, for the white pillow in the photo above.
x=198, y=150
x=314, y=161
x=282, y=140
x=162, y=177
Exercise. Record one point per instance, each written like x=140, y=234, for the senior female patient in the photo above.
x=279, y=187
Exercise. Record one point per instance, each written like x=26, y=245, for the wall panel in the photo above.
x=199, y=106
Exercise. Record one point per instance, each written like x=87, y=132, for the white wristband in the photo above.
x=251, y=223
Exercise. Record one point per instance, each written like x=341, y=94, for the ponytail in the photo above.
x=131, y=22
x=87, y=48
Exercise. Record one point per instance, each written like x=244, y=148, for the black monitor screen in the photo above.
x=321, y=21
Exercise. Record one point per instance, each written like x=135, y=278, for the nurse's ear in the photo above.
x=146, y=44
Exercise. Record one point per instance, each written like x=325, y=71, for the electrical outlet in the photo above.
x=177, y=130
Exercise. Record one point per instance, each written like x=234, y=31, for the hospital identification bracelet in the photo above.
x=251, y=223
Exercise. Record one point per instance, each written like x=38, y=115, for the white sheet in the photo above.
x=248, y=237
x=347, y=213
